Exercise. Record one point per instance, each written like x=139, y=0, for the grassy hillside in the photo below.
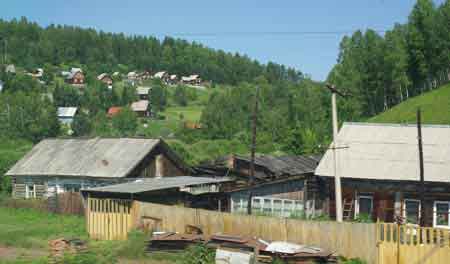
x=11, y=150
x=435, y=106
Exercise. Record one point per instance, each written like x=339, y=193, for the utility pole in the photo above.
x=337, y=177
x=253, y=150
x=422, y=178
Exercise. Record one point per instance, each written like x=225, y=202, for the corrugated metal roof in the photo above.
x=141, y=90
x=159, y=74
x=97, y=157
x=154, y=184
x=140, y=106
x=67, y=111
x=389, y=152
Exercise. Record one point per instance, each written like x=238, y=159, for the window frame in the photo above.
x=28, y=192
x=357, y=202
x=404, y=209
x=435, y=214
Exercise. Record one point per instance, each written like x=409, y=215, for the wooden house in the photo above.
x=162, y=75
x=75, y=76
x=61, y=165
x=141, y=108
x=66, y=115
x=282, y=186
x=143, y=92
x=193, y=79
x=105, y=78
x=379, y=169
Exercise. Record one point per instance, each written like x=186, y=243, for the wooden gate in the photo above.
x=109, y=219
x=403, y=244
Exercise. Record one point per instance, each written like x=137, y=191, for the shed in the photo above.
x=141, y=107
x=66, y=115
x=142, y=92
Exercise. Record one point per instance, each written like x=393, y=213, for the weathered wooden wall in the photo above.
x=347, y=239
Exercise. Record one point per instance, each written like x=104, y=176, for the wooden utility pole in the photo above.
x=337, y=177
x=422, y=178
x=253, y=151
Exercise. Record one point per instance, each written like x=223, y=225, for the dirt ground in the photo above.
x=10, y=253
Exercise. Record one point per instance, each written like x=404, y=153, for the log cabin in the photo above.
x=60, y=165
x=379, y=169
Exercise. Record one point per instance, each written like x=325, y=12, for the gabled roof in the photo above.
x=141, y=90
x=101, y=76
x=285, y=165
x=160, y=74
x=155, y=184
x=140, y=106
x=67, y=111
x=389, y=152
x=114, y=110
x=10, y=68
x=95, y=157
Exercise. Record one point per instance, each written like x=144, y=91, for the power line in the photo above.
x=263, y=33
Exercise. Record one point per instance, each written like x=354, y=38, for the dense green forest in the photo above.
x=381, y=71
x=33, y=46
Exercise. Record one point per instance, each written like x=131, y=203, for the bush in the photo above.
x=134, y=247
x=344, y=260
x=199, y=254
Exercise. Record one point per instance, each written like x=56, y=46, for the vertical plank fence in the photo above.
x=403, y=244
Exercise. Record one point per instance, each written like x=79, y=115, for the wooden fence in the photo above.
x=412, y=245
x=109, y=219
x=66, y=203
x=347, y=239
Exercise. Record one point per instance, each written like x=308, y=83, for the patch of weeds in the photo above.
x=134, y=247
x=344, y=260
x=198, y=254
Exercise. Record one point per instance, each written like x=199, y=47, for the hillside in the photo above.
x=435, y=107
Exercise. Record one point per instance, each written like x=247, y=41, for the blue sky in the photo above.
x=312, y=54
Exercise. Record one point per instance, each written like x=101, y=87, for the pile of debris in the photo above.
x=61, y=246
x=264, y=251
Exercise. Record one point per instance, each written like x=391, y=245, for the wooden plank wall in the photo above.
x=347, y=239
x=412, y=244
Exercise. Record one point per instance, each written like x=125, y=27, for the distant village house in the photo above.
x=105, y=78
x=141, y=108
x=66, y=115
x=75, y=76
x=191, y=80
x=114, y=110
x=143, y=92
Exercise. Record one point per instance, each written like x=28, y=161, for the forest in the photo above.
x=377, y=69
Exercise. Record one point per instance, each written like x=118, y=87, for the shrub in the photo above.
x=134, y=247
x=199, y=254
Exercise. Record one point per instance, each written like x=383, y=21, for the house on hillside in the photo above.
x=173, y=79
x=37, y=73
x=75, y=76
x=66, y=115
x=10, y=69
x=61, y=165
x=143, y=92
x=105, y=78
x=163, y=75
x=113, y=110
x=193, y=79
x=283, y=185
x=379, y=169
x=141, y=108
x=132, y=75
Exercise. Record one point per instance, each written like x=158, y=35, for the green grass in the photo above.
x=190, y=113
x=435, y=107
x=11, y=150
x=28, y=228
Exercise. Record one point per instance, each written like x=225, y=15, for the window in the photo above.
x=30, y=191
x=441, y=211
x=411, y=211
x=364, y=205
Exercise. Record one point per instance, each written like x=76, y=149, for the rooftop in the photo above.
x=389, y=152
x=154, y=184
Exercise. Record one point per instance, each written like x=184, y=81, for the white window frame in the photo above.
x=404, y=209
x=364, y=196
x=435, y=214
x=28, y=192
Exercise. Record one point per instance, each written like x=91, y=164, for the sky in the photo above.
x=230, y=25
